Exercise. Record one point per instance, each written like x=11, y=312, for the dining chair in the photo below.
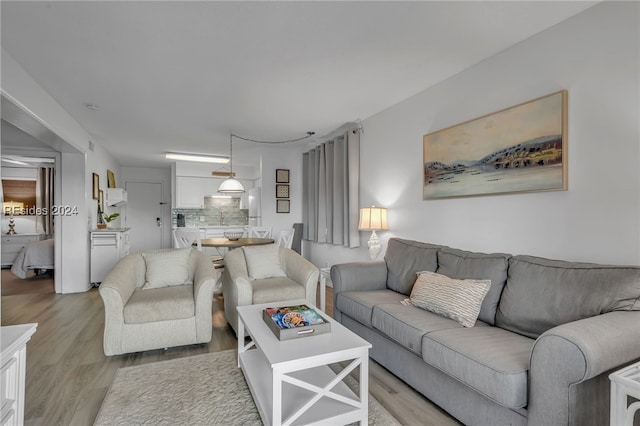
x=185, y=237
x=285, y=238
x=259, y=232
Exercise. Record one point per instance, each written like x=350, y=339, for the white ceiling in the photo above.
x=180, y=76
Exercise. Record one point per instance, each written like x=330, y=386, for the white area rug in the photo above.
x=206, y=389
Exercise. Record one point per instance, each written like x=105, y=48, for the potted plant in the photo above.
x=109, y=218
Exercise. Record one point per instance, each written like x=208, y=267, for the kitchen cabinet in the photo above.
x=107, y=247
x=12, y=244
x=190, y=191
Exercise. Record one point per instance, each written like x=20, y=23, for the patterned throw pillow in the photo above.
x=459, y=300
x=166, y=268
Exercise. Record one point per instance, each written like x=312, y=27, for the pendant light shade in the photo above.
x=231, y=185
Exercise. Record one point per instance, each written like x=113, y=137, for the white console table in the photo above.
x=624, y=382
x=325, y=278
x=13, y=359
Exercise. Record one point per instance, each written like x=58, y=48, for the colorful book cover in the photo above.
x=294, y=316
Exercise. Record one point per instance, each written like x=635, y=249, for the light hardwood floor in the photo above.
x=68, y=374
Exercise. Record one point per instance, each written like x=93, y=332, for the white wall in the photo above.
x=99, y=161
x=77, y=164
x=281, y=158
x=595, y=56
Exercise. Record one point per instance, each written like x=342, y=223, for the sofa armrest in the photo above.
x=573, y=353
x=301, y=271
x=358, y=276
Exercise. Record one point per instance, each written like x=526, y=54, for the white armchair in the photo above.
x=239, y=289
x=138, y=319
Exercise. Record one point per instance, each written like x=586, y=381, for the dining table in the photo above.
x=231, y=244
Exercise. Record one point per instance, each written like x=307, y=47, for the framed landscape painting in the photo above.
x=519, y=149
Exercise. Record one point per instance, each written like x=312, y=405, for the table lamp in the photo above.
x=10, y=207
x=373, y=219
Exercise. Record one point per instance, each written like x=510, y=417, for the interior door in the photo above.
x=144, y=215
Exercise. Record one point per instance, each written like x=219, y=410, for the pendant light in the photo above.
x=231, y=185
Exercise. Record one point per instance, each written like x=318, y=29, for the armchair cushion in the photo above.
x=166, y=268
x=279, y=288
x=160, y=304
x=263, y=261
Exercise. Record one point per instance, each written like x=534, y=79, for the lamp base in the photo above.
x=374, y=245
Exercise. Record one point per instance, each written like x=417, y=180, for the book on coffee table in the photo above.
x=292, y=322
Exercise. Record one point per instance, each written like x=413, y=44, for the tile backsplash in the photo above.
x=216, y=212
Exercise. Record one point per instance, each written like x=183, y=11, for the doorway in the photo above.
x=145, y=215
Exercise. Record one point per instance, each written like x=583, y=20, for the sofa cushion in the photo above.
x=541, y=293
x=160, y=304
x=276, y=289
x=404, y=259
x=407, y=324
x=166, y=268
x=459, y=300
x=465, y=264
x=263, y=261
x=359, y=304
x=490, y=360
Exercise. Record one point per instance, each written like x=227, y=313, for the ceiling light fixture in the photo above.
x=231, y=185
x=198, y=158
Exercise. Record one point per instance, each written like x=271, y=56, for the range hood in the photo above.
x=116, y=197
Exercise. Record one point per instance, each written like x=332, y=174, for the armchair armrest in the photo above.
x=301, y=271
x=236, y=286
x=115, y=290
x=570, y=355
x=123, y=279
x=204, y=281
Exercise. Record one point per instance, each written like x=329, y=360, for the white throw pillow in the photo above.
x=263, y=261
x=166, y=268
x=459, y=300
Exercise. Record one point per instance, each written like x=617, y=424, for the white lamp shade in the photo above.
x=231, y=186
x=373, y=219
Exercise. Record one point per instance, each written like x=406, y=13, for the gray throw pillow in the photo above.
x=461, y=264
x=405, y=258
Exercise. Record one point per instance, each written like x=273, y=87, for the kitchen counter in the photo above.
x=110, y=230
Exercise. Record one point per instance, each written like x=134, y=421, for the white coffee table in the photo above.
x=291, y=382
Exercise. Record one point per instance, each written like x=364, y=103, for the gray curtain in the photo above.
x=44, y=200
x=331, y=175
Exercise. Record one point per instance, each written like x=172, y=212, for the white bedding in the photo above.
x=38, y=255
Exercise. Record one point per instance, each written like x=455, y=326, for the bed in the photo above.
x=36, y=256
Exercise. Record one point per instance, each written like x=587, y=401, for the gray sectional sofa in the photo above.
x=548, y=334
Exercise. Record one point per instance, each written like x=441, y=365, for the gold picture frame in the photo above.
x=96, y=186
x=522, y=148
x=111, y=179
x=101, y=200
